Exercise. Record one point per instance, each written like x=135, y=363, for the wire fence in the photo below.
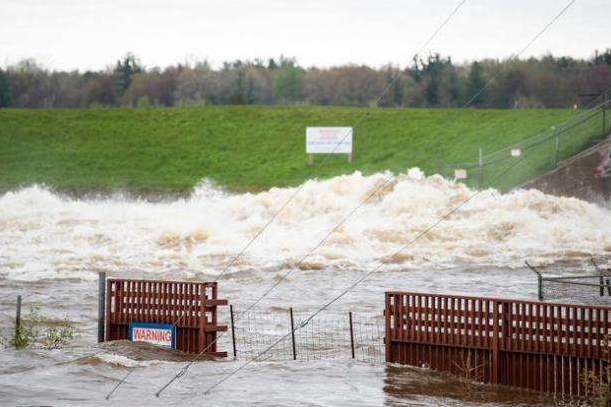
x=593, y=287
x=542, y=152
x=591, y=290
x=328, y=336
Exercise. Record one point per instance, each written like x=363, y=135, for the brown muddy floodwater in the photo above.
x=51, y=248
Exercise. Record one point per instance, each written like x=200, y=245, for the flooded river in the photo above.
x=52, y=247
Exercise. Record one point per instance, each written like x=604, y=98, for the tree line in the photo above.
x=431, y=81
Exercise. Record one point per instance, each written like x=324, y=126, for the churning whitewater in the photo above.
x=48, y=236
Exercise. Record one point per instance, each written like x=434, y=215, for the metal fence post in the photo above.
x=387, y=329
x=494, y=354
x=18, y=315
x=293, y=334
x=556, y=146
x=351, y=334
x=235, y=354
x=481, y=167
x=604, y=109
x=101, y=305
x=540, y=289
x=539, y=280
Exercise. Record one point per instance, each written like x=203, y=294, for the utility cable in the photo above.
x=184, y=370
x=426, y=231
x=306, y=321
x=359, y=121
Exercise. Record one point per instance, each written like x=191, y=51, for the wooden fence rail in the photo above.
x=540, y=346
x=190, y=306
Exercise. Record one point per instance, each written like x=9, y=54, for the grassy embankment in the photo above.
x=239, y=147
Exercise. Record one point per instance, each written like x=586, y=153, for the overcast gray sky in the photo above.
x=91, y=34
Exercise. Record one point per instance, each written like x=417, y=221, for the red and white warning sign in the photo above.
x=157, y=334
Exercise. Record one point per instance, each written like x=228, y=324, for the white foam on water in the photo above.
x=119, y=360
x=46, y=236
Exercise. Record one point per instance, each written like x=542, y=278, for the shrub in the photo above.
x=54, y=335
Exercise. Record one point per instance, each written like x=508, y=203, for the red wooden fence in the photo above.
x=191, y=306
x=534, y=345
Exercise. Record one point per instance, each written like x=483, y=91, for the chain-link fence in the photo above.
x=538, y=154
x=350, y=335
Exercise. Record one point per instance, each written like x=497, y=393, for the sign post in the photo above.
x=102, y=306
x=328, y=140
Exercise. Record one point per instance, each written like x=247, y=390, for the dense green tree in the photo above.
x=509, y=88
x=271, y=64
x=430, y=73
x=124, y=71
x=395, y=82
x=250, y=91
x=287, y=83
x=239, y=93
x=602, y=58
x=5, y=94
x=475, y=84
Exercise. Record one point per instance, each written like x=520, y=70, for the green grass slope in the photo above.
x=239, y=147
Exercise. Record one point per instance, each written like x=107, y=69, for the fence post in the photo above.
x=481, y=167
x=351, y=334
x=293, y=334
x=101, y=305
x=494, y=354
x=604, y=109
x=387, y=331
x=235, y=354
x=539, y=280
x=18, y=315
x=556, y=146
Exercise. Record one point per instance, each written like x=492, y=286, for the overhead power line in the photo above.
x=365, y=276
x=306, y=321
x=359, y=121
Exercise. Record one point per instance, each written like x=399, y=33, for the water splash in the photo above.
x=47, y=236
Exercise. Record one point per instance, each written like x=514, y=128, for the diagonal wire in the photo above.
x=359, y=121
x=373, y=193
x=395, y=77
x=422, y=234
x=305, y=322
x=137, y=365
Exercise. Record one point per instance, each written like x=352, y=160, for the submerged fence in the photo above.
x=540, y=153
x=192, y=307
x=349, y=335
x=540, y=346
